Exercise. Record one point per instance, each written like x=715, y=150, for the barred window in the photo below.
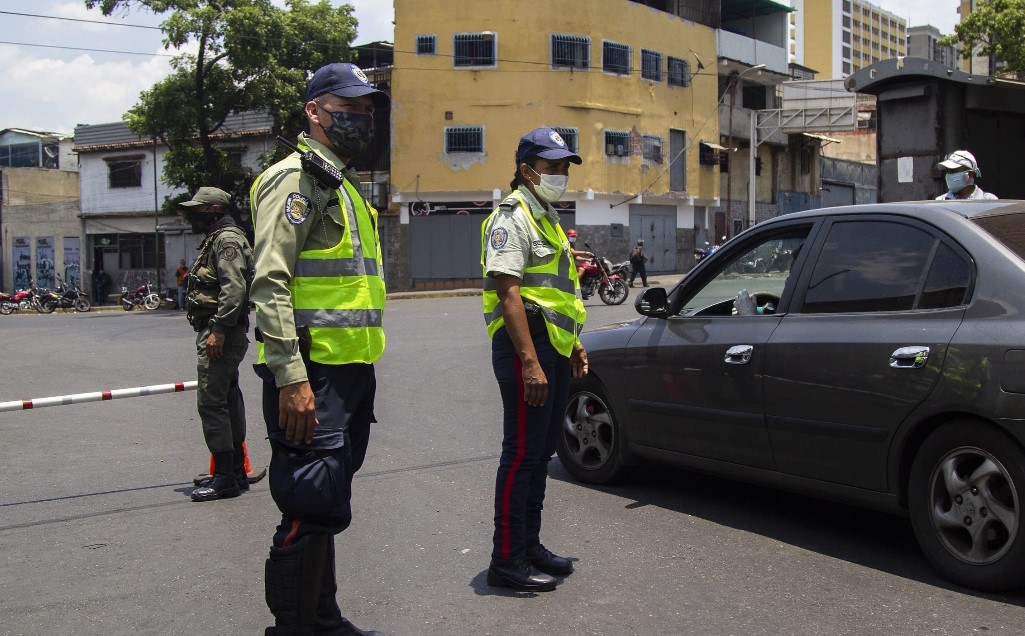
x=679, y=72
x=569, y=135
x=617, y=144
x=426, y=44
x=124, y=172
x=615, y=58
x=651, y=148
x=651, y=65
x=474, y=49
x=710, y=154
x=571, y=51
x=464, y=139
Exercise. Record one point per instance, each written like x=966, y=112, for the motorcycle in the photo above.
x=621, y=270
x=18, y=301
x=702, y=253
x=597, y=275
x=143, y=296
x=63, y=297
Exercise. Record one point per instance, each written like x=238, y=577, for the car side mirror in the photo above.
x=652, y=302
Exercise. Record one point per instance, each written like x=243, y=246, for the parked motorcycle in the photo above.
x=63, y=297
x=18, y=301
x=621, y=270
x=597, y=275
x=702, y=253
x=143, y=296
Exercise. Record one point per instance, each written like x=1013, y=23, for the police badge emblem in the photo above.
x=297, y=208
x=499, y=237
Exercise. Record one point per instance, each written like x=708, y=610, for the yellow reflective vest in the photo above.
x=553, y=285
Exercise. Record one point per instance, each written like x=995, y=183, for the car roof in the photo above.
x=967, y=208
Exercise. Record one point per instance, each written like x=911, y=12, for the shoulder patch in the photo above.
x=297, y=208
x=499, y=237
x=229, y=252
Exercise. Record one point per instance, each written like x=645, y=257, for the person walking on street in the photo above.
x=102, y=284
x=960, y=171
x=181, y=273
x=637, y=261
x=217, y=303
x=319, y=293
x=534, y=314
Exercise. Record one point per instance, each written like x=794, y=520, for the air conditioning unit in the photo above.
x=864, y=123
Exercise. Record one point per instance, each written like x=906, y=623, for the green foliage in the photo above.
x=998, y=27
x=249, y=56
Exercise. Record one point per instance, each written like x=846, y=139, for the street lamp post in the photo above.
x=734, y=80
x=751, y=170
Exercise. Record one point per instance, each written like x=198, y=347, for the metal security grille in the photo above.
x=569, y=135
x=679, y=72
x=651, y=65
x=651, y=148
x=571, y=51
x=615, y=58
x=426, y=44
x=617, y=144
x=474, y=49
x=464, y=139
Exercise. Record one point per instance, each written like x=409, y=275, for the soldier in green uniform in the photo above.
x=217, y=303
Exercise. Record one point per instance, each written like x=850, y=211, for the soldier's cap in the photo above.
x=209, y=196
x=545, y=143
x=345, y=80
x=961, y=159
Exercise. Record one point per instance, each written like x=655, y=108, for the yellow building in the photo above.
x=839, y=37
x=619, y=80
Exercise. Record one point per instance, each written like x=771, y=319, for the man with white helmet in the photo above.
x=960, y=170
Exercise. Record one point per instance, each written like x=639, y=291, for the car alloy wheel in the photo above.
x=589, y=444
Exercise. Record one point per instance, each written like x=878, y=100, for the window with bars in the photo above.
x=615, y=58
x=651, y=65
x=571, y=51
x=464, y=139
x=124, y=172
x=651, y=148
x=679, y=72
x=617, y=144
x=570, y=136
x=426, y=45
x=474, y=49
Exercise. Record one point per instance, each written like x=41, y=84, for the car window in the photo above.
x=761, y=270
x=1009, y=229
x=873, y=266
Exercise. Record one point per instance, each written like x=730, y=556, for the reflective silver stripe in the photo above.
x=490, y=284
x=314, y=267
x=338, y=317
x=561, y=321
x=350, y=215
x=537, y=280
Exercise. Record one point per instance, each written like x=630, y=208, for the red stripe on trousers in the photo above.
x=521, y=450
x=291, y=533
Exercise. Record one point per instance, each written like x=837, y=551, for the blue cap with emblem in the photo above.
x=545, y=143
x=345, y=80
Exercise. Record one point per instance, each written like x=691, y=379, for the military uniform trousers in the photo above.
x=529, y=436
x=312, y=484
x=218, y=395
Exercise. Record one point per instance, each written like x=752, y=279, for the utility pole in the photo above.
x=734, y=76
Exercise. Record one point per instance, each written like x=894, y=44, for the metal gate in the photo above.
x=656, y=224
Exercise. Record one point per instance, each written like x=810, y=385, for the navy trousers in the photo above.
x=529, y=436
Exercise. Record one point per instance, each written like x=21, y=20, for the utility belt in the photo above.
x=535, y=319
x=199, y=323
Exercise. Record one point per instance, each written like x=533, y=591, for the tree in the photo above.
x=998, y=28
x=249, y=56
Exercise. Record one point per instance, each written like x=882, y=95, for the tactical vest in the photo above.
x=553, y=286
x=204, y=287
x=339, y=293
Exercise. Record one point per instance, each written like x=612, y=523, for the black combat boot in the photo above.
x=293, y=578
x=520, y=575
x=223, y=484
x=330, y=621
x=239, y=466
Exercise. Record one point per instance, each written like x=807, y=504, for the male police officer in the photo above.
x=960, y=171
x=319, y=295
x=217, y=303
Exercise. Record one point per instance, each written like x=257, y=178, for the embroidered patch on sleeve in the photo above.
x=499, y=237
x=297, y=208
x=229, y=252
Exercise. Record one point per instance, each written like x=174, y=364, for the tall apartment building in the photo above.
x=839, y=37
x=923, y=42
x=976, y=62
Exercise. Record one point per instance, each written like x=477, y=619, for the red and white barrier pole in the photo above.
x=99, y=396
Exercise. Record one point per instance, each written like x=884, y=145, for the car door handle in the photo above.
x=909, y=358
x=739, y=354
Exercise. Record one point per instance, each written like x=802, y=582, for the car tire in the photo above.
x=965, y=496
x=590, y=446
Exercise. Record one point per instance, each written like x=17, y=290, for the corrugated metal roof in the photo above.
x=118, y=135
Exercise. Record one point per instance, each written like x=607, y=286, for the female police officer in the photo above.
x=534, y=314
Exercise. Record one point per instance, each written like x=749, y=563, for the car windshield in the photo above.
x=1009, y=229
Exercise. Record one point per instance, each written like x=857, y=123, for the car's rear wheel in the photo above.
x=589, y=445
x=965, y=496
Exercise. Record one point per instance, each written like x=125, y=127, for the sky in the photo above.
x=53, y=89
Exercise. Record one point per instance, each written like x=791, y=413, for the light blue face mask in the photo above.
x=957, y=181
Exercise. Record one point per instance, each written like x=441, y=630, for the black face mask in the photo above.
x=201, y=222
x=350, y=133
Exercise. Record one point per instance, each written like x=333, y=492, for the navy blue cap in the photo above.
x=345, y=80
x=545, y=143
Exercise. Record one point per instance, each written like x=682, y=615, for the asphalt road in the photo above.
x=98, y=534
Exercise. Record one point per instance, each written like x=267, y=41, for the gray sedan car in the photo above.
x=870, y=354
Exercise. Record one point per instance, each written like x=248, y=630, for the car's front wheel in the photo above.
x=589, y=445
x=965, y=496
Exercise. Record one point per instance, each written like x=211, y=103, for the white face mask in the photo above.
x=957, y=181
x=552, y=186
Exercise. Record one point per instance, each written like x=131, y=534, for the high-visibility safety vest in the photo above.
x=553, y=286
x=339, y=292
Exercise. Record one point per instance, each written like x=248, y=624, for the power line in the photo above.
x=54, y=17
x=79, y=48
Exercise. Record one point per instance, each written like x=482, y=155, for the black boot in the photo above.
x=293, y=577
x=223, y=484
x=519, y=575
x=239, y=468
x=330, y=621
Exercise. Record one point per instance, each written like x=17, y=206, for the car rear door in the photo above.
x=864, y=342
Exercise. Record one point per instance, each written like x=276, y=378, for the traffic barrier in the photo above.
x=98, y=396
